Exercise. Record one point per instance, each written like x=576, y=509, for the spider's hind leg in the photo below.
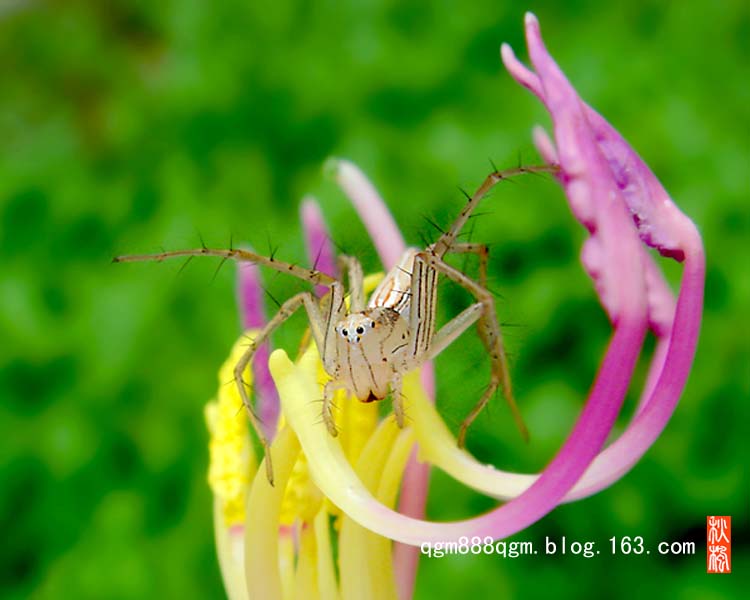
x=489, y=332
x=286, y=310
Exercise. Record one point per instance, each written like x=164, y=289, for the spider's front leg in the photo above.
x=286, y=310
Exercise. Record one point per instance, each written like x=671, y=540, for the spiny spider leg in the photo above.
x=488, y=327
x=286, y=310
x=489, y=333
x=322, y=329
x=481, y=250
x=448, y=239
x=313, y=276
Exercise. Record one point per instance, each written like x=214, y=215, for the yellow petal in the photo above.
x=381, y=548
x=232, y=462
x=262, y=575
x=360, y=567
x=306, y=576
x=302, y=498
x=326, y=573
x=230, y=560
x=286, y=561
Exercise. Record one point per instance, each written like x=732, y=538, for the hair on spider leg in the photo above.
x=433, y=223
x=424, y=239
x=233, y=382
x=245, y=336
x=317, y=256
x=494, y=292
x=271, y=296
x=272, y=250
x=535, y=174
x=472, y=225
x=185, y=264
x=513, y=325
x=248, y=386
x=404, y=407
x=244, y=407
x=218, y=268
x=466, y=194
x=359, y=250
x=251, y=343
x=332, y=404
x=478, y=214
x=340, y=247
x=322, y=421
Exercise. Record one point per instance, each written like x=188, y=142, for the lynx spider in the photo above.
x=367, y=348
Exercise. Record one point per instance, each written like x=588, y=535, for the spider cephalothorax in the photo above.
x=370, y=350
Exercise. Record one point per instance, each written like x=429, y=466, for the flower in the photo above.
x=276, y=540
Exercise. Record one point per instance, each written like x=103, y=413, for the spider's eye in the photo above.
x=344, y=332
x=372, y=324
x=360, y=330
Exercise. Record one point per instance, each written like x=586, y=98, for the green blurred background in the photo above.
x=132, y=126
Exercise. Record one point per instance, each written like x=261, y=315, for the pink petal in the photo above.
x=372, y=210
x=319, y=248
x=660, y=224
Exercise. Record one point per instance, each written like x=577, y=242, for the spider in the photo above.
x=366, y=348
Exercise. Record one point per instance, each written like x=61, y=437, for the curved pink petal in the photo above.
x=371, y=209
x=660, y=224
